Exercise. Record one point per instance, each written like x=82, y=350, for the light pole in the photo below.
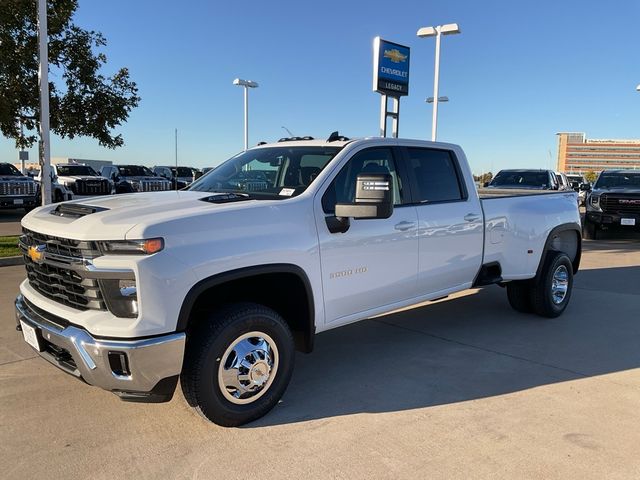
x=43, y=80
x=247, y=84
x=437, y=31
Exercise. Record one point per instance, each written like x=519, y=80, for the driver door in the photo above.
x=375, y=262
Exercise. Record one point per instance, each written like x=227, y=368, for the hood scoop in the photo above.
x=75, y=210
x=226, y=197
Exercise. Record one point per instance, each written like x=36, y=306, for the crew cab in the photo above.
x=217, y=285
x=17, y=190
x=134, y=178
x=614, y=202
x=82, y=180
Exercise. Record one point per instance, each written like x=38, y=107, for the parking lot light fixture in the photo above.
x=437, y=31
x=440, y=99
x=246, y=84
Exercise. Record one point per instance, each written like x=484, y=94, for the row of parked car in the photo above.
x=613, y=201
x=530, y=179
x=77, y=180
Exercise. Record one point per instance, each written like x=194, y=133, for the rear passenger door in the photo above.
x=450, y=224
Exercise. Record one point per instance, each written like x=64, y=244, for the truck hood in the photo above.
x=618, y=190
x=116, y=215
x=13, y=178
x=143, y=178
x=69, y=178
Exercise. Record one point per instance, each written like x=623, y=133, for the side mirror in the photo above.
x=374, y=199
x=585, y=187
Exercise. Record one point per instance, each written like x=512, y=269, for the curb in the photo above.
x=11, y=261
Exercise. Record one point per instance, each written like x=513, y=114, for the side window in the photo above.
x=373, y=160
x=437, y=177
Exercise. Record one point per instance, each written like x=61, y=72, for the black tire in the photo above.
x=543, y=300
x=589, y=230
x=206, y=347
x=519, y=295
x=58, y=197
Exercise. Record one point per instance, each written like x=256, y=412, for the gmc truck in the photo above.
x=17, y=190
x=614, y=202
x=216, y=286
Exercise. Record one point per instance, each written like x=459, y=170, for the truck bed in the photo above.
x=489, y=193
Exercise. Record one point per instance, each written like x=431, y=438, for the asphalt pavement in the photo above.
x=460, y=388
x=10, y=222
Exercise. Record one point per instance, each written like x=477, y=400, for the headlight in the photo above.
x=131, y=247
x=594, y=200
x=121, y=296
x=135, y=186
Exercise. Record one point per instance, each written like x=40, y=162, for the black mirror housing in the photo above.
x=374, y=198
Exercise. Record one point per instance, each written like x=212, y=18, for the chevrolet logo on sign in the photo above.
x=36, y=253
x=395, y=56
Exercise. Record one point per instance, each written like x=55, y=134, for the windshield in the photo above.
x=67, y=170
x=8, y=169
x=135, y=171
x=620, y=180
x=274, y=172
x=521, y=179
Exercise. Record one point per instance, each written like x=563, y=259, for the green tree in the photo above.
x=590, y=176
x=84, y=102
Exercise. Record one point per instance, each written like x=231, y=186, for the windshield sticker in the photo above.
x=287, y=192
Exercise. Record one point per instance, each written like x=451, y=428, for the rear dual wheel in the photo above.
x=547, y=294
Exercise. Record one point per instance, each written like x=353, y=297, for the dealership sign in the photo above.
x=390, y=68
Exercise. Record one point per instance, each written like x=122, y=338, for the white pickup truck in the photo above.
x=219, y=284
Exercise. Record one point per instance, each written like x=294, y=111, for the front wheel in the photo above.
x=238, y=364
x=552, y=288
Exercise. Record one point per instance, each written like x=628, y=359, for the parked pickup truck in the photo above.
x=614, y=202
x=82, y=180
x=17, y=190
x=217, y=285
x=134, y=178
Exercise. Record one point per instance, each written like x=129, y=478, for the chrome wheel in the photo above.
x=248, y=367
x=559, y=284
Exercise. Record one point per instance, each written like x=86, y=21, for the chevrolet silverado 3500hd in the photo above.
x=217, y=285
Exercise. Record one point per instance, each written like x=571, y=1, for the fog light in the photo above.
x=121, y=296
x=119, y=364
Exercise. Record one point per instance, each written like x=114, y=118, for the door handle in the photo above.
x=403, y=226
x=471, y=217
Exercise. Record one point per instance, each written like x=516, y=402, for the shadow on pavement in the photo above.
x=467, y=348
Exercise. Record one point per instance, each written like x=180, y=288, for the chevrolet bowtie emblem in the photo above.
x=394, y=55
x=36, y=253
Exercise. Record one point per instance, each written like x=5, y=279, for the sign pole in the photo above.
x=43, y=80
x=383, y=115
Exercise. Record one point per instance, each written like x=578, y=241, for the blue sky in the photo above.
x=518, y=73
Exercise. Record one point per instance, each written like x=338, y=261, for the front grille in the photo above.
x=154, y=186
x=59, y=280
x=66, y=247
x=620, y=203
x=91, y=187
x=17, y=188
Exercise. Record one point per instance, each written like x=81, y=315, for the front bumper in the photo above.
x=609, y=219
x=144, y=370
x=9, y=201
